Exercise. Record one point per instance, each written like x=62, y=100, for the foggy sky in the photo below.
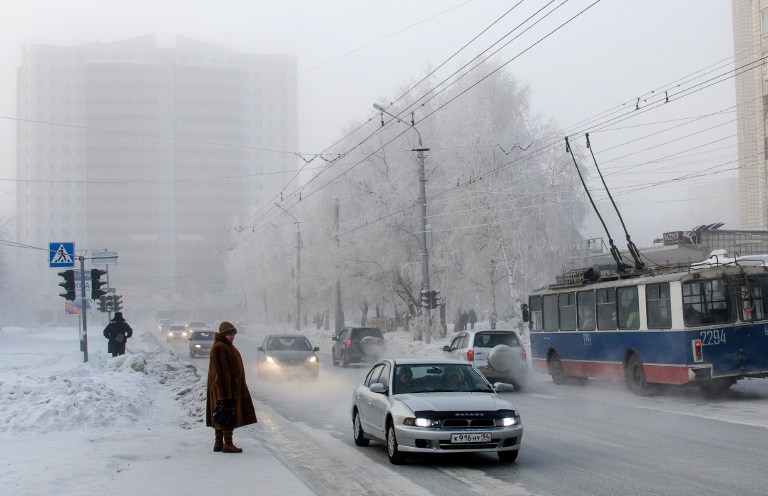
x=352, y=53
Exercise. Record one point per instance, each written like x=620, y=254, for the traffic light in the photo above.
x=68, y=285
x=425, y=300
x=117, y=305
x=109, y=302
x=434, y=299
x=97, y=283
x=103, y=303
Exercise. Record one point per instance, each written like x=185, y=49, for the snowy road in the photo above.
x=593, y=440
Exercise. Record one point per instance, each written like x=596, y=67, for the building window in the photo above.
x=764, y=21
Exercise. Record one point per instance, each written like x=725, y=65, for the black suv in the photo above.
x=358, y=345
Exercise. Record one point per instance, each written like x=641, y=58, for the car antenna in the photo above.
x=621, y=267
x=639, y=265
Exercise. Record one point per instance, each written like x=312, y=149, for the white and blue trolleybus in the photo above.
x=703, y=325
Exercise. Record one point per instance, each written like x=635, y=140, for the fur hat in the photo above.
x=227, y=328
x=118, y=317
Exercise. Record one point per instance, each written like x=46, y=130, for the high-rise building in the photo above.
x=154, y=153
x=750, y=43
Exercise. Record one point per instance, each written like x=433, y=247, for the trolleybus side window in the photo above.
x=550, y=313
x=658, y=306
x=629, y=310
x=706, y=302
x=606, y=309
x=535, y=308
x=585, y=302
x=753, y=309
x=567, y=310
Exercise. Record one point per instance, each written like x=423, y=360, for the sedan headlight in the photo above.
x=421, y=422
x=198, y=346
x=508, y=421
x=269, y=359
x=312, y=359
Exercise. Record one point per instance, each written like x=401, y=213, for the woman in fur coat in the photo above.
x=226, y=385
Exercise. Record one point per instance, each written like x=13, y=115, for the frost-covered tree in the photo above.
x=504, y=204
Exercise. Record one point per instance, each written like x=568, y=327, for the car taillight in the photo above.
x=383, y=340
x=470, y=355
x=522, y=352
x=349, y=343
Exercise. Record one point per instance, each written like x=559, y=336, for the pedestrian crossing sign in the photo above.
x=61, y=254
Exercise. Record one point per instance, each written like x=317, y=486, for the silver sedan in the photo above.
x=433, y=405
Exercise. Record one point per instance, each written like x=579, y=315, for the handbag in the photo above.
x=224, y=416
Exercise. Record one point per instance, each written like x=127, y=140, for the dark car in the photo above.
x=286, y=355
x=200, y=342
x=498, y=354
x=358, y=345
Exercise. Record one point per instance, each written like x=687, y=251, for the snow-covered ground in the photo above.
x=115, y=426
x=125, y=425
x=134, y=424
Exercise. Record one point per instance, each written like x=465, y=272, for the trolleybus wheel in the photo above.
x=556, y=369
x=635, y=376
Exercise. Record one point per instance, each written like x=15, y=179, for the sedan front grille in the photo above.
x=470, y=423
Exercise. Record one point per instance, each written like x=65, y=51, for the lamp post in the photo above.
x=298, y=268
x=423, y=200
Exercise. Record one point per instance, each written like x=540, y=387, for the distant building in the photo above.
x=750, y=42
x=154, y=153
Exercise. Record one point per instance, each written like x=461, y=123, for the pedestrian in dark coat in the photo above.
x=227, y=389
x=117, y=332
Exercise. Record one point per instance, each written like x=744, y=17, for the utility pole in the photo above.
x=423, y=200
x=424, y=253
x=298, y=277
x=298, y=267
x=338, y=323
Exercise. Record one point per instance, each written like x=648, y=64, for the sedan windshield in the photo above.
x=282, y=343
x=433, y=378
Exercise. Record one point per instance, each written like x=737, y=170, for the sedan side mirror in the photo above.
x=316, y=348
x=334, y=338
x=260, y=348
x=446, y=348
x=378, y=387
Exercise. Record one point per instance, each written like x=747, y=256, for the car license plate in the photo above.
x=476, y=437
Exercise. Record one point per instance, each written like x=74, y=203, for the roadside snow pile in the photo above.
x=57, y=394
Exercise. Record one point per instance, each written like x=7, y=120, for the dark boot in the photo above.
x=219, y=444
x=228, y=446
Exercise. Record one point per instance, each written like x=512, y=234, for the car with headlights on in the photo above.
x=433, y=405
x=282, y=355
x=176, y=331
x=200, y=342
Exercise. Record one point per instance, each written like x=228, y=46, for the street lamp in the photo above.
x=423, y=200
x=298, y=268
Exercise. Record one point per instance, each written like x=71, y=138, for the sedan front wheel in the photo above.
x=396, y=457
x=357, y=430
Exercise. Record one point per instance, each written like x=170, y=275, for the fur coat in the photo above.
x=226, y=381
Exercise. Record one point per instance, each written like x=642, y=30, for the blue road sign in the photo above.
x=61, y=254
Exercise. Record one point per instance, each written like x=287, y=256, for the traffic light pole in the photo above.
x=84, y=337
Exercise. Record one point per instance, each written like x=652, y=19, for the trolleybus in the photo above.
x=705, y=325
